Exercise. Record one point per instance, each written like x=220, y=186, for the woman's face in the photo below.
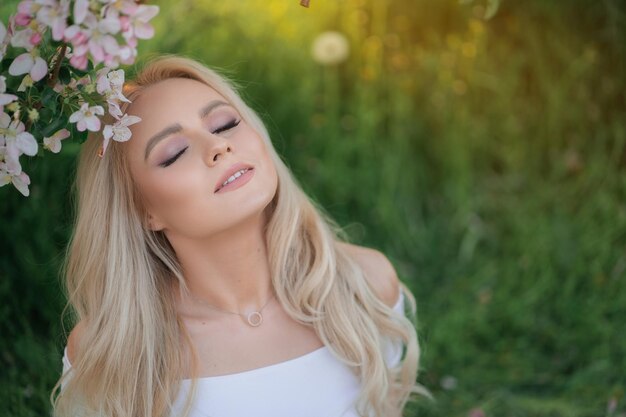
x=189, y=142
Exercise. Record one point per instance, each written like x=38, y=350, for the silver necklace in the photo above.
x=254, y=318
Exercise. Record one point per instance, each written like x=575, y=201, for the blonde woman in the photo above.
x=206, y=283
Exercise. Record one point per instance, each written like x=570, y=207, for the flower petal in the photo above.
x=27, y=143
x=130, y=120
x=144, y=30
x=6, y=99
x=107, y=132
x=22, y=64
x=39, y=70
x=5, y=120
x=122, y=134
x=97, y=110
x=80, y=11
x=4, y=178
x=92, y=123
x=52, y=144
x=21, y=182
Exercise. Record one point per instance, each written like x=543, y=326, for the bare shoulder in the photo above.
x=73, y=340
x=378, y=270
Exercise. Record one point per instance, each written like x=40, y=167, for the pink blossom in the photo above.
x=35, y=38
x=54, y=14
x=25, y=13
x=79, y=61
x=21, y=39
x=19, y=181
x=15, y=142
x=76, y=35
x=53, y=143
x=81, y=7
x=87, y=117
x=137, y=24
x=25, y=7
x=98, y=40
x=22, y=19
x=29, y=63
x=119, y=131
x=109, y=83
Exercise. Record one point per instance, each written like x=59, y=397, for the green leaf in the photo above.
x=56, y=125
x=75, y=134
x=45, y=115
x=82, y=136
x=64, y=74
x=13, y=82
x=79, y=72
x=49, y=99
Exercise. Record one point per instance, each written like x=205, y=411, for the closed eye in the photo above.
x=227, y=126
x=173, y=159
x=233, y=123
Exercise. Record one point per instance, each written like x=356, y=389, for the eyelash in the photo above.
x=233, y=123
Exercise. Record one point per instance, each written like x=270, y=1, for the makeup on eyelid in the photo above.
x=174, y=155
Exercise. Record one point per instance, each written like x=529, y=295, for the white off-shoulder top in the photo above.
x=316, y=384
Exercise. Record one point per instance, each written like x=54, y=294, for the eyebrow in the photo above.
x=176, y=127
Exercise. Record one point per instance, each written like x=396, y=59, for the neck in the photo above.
x=230, y=271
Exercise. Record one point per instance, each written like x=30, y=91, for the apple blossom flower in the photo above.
x=15, y=142
x=19, y=181
x=22, y=38
x=53, y=143
x=86, y=117
x=119, y=131
x=31, y=63
x=97, y=35
x=79, y=61
x=54, y=14
x=26, y=10
x=136, y=22
x=27, y=7
x=109, y=84
x=90, y=37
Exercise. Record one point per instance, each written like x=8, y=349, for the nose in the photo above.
x=218, y=148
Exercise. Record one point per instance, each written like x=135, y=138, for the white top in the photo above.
x=315, y=384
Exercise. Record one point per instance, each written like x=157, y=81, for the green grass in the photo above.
x=485, y=158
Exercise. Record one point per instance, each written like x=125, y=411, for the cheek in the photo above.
x=169, y=193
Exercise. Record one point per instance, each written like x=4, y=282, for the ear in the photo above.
x=154, y=223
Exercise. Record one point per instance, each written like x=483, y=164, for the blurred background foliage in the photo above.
x=479, y=144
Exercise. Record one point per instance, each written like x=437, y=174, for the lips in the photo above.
x=230, y=172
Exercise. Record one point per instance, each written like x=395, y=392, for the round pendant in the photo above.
x=255, y=319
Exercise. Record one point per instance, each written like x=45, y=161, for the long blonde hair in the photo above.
x=119, y=275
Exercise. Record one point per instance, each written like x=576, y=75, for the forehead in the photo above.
x=175, y=100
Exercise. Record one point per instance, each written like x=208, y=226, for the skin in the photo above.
x=218, y=237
